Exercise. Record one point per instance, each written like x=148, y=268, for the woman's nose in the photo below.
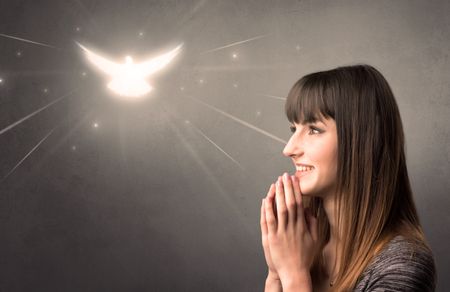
x=292, y=147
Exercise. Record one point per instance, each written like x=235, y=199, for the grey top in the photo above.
x=400, y=266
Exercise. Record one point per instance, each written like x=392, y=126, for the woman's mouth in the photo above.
x=303, y=170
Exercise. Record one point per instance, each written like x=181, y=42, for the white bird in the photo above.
x=129, y=79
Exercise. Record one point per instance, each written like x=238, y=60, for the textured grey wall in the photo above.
x=144, y=202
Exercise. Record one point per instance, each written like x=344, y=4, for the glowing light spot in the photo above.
x=181, y=88
x=19, y=54
x=45, y=90
x=187, y=122
x=201, y=81
x=74, y=148
x=78, y=29
x=1, y=80
x=141, y=34
x=258, y=113
x=83, y=74
x=298, y=48
x=95, y=125
x=234, y=56
x=128, y=79
x=235, y=85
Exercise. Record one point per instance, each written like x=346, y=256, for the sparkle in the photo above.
x=258, y=113
x=45, y=90
x=235, y=85
x=77, y=28
x=187, y=122
x=141, y=33
x=181, y=88
x=235, y=43
x=298, y=48
x=95, y=125
x=74, y=148
x=234, y=56
x=1, y=80
x=201, y=81
x=19, y=54
x=27, y=41
x=83, y=74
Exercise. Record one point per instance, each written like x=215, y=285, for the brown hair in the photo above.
x=373, y=193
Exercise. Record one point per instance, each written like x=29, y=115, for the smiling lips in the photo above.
x=303, y=170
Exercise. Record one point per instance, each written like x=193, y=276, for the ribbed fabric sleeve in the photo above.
x=400, y=266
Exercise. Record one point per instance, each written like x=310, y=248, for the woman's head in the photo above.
x=357, y=104
x=363, y=164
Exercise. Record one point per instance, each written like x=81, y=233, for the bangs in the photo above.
x=310, y=100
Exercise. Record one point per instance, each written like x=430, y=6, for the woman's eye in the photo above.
x=292, y=128
x=312, y=129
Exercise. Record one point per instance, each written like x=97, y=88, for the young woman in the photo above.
x=357, y=228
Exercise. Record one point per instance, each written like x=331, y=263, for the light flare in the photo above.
x=129, y=78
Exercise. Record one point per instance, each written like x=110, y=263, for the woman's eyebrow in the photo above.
x=320, y=121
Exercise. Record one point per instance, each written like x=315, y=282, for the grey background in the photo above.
x=145, y=202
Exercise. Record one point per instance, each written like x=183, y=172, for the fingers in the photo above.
x=268, y=199
x=263, y=222
x=298, y=196
x=282, y=210
x=270, y=219
x=290, y=198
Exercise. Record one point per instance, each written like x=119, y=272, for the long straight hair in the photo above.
x=374, y=200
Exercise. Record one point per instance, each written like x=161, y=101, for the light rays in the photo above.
x=217, y=146
x=265, y=133
x=64, y=138
x=33, y=113
x=208, y=173
x=235, y=43
x=26, y=156
x=28, y=41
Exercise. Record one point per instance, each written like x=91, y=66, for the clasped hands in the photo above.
x=289, y=232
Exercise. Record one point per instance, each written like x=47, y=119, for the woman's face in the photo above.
x=313, y=149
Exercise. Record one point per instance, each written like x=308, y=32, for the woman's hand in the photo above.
x=272, y=273
x=290, y=238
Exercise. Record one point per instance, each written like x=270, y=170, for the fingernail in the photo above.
x=286, y=175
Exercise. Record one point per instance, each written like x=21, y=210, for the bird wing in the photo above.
x=149, y=67
x=101, y=63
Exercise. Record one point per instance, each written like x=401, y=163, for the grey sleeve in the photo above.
x=402, y=268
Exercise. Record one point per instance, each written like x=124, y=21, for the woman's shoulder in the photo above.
x=402, y=265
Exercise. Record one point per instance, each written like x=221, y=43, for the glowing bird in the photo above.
x=129, y=78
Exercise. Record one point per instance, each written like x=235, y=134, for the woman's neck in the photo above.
x=329, y=205
x=330, y=252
